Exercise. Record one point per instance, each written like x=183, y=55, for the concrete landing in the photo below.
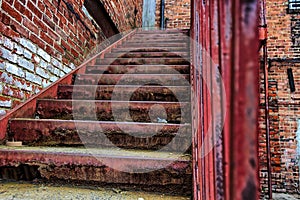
x=29, y=191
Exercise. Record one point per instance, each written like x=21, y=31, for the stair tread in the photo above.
x=101, y=152
x=114, y=101
x=103, y=122
x=132, y=79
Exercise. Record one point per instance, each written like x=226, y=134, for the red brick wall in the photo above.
x=41, y=40
x=283, y=46
x=178, y=13
x=123, y=13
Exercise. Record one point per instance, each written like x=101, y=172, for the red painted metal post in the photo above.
x=228, y=31
x=245, y=101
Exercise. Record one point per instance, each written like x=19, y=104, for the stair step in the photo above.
x=129, y=135
x=142, y=61
x=125, y=93
x=138, y=69
x=156, y=44
x=132, y=79
x=150, y=49
x=105, y=166
x=165, y=31
x=159, y=34
x=148, y=55
x=113, y=111
x=170, y=39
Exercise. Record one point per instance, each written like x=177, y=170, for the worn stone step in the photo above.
x=142, y=61
x=114, y=111
x=148, y=55
x=125, y=93
x=129, y=135
x=157, y=171
x=150, y=49
x=132, y=79
x=138, y=69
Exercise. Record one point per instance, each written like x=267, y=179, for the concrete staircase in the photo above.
x=123, y=122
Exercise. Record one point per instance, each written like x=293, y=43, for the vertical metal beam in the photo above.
x=228, y=30
x=244, y=101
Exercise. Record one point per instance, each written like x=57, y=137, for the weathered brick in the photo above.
x=43, y=73
x=53, y=78
x=8, y=43
x=35, y=39
x=6, y=54
x=33, y=78
x=11, y=11
x=26, y=64
x=44, y=55
x=2, y=111
x=5, y=102
x=28, y=44
x=2, y=66
x=18, y=49
x=32, y=27
x=34, y=9
x=13, y=69
x=27, y=54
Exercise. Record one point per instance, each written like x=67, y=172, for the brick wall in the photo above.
x=125, y=14
x=42, y=40
x=283, y=53
x=178, y=13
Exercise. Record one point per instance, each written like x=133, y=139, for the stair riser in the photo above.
x=160, y=35
x=129, y=79
x=167, y=94
x=167, y=40
x=107, y=111
x=150, y=49
x=148, y=44
x=136, y=69
x=184, y=55
x=100, y=134
x=176, y=178
x=142, y=61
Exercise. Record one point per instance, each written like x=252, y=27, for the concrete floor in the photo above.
x=28, y=191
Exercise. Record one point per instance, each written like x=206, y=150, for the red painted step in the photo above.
x=132, y=79
x=154, y=44
x=137, y=111
x=125, y=92
x=142, y=61
x=148, y=55
x=150, y=49
x=163, y=172
x=137, y=69
x=129, y=135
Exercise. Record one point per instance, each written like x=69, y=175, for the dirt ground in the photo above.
x=29, y=191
